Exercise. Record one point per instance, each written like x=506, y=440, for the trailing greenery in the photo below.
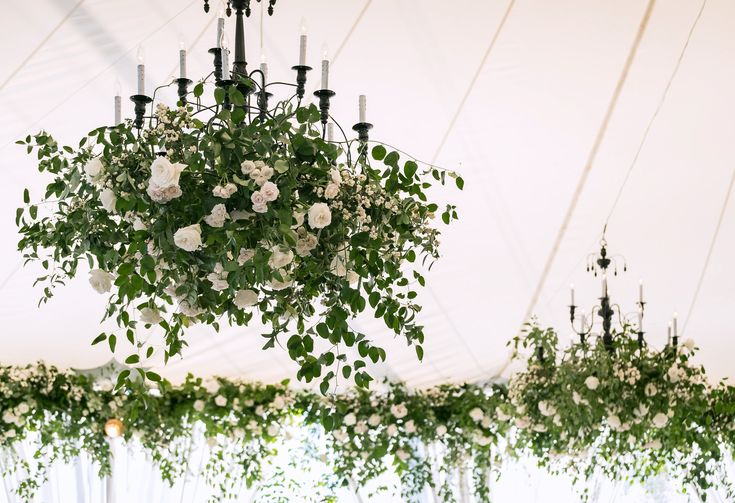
x=207, y=217
x=627, y=414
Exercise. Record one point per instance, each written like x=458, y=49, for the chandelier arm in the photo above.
x=344, y=135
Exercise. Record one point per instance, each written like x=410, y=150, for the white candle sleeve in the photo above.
x=220, y=30
x=302, y=50
x=118, y=110
x=264, y=69
x=182, y=63
x=363, y=108
x=330, y=132
x=325, y=74
x=141, y=79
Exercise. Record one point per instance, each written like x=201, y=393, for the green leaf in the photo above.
x=460, y=182
x=379, y=152
x=112, y=341
x=26, y=196
x=99, y=339
x=153, y=376
x=130, y=360
x=392, y=159
x=410, y=168
x=219, y=95
x=198, y=90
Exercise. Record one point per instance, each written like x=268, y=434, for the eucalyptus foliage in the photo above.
x=207, y=217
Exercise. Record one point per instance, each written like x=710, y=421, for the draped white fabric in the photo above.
x=294, y=475
x=528, y=108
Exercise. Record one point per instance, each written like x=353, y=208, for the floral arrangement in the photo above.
x=63, y=413
x=581, y=411
x=627, y=413
x=228, y=220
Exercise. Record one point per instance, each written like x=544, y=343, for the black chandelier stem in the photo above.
x=141, y=103
x=183, y=89
x=217, y=53
x=240, y=65
x=324, y=96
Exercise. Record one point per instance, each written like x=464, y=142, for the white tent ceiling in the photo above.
x=528, y=110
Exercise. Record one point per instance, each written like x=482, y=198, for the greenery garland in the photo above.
x=203, y=221
x=628, y=415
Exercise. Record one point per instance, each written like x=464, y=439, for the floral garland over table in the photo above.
x=578, y=411
x=200, y=222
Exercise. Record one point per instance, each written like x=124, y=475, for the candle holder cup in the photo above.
x=363, y=129
x=324, y=96
x=183, y=89
x=300, y=79
x=141, y=102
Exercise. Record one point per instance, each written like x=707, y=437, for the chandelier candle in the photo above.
x=640, y=291
x=264, y=68
x=363, y=118
x=141, y=72
x=330, y=132
x=325, y=68
x=220, y=28
x=225, y=57
x=118, y=104
x=182, y=60
x=302, y=44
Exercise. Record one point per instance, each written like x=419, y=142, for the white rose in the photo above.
x=540, y=428
x=335, y=176
x=546, y=409
x=247, y=167
x=410, y=427
x=650, y=389
x=641, y=410
x=281, y=285
x=10, y=434
x=266, y=172
x=689, y=344
x=319, y=216
x=138, y=225
x=522, y=422
x=374, y=420
x=218, y=216
x=9, y=417
x=592, y=382
x=352, y=277
x=245, y=298
x=350, y=419
x=189, y=238
x=361, y=428
x=22, y=408
x=392, y=430
x=340, y=435
x=402, y=455
x=278, y=402
x=164, y=174
x=260, y=180
x=280, y=258
x=441, y=430
x=245, y=255
x=674, y=374
x=338, y=266
x=108, y=200
x=399, y=410
x=150, y=315
x=482, y=440
x=331, y=191
x=486, y=422
x=100, y=280
x=269, y=191
x=660, y=420
x=655, y=445
x=93, y=169
x=298, y=217
x=477, y=414
x=501, y=414
x=614, y=422
x=259, y=164
x=220, y=401
x=162, y=194
x=199, y=405
x=260, y=208
x=212, y=441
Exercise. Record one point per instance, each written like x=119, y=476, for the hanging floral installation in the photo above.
x=577, y=411
x=227, y=221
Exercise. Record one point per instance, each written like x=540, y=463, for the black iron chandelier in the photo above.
x=253, y=85
x=584, y=325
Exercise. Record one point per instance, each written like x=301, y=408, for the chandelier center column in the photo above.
x=240, y=64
